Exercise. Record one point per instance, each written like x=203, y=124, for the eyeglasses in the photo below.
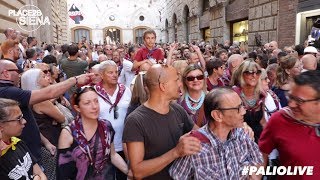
x=247, y=73
x=300, y=101
x=192, y=78
x=16, y=70
x=234, y=108
x=289, y=52
x=20, y=119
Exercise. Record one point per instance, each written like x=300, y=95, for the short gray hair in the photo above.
x=103, y=66
x=214, y=99
x=4, y=104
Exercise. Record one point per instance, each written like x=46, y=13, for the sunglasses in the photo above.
x=20, y=119
x=80, y=90
x=258, y=72
x=46, y=71
x=108, y=49
x=192, y=78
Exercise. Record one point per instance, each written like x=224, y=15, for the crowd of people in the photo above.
x=156, y=111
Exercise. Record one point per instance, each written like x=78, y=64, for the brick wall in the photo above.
x=262, y=20
x=287, y=22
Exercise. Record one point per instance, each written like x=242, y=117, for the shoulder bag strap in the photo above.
x=199, y=121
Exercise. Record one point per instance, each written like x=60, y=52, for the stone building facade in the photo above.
x=114, y=21
x=257, y=21
x=55, y=10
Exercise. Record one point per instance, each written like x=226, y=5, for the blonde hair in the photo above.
x=187, y=70
x=139, y=92
x=237, y=76
x=180, y=65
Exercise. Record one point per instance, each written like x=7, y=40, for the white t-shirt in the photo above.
x=95, y=56
x=117, y=124
x=126, y=75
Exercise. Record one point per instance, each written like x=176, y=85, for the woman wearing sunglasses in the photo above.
x=246, y=82
x=85, y=149
x=16, y=161
x=194, y=91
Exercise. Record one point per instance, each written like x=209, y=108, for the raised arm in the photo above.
x=57, y=89
x=48, y=108
x=199, y=53
x=173, y=47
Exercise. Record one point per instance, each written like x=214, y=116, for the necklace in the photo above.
x=190, y=102
x=250, y=102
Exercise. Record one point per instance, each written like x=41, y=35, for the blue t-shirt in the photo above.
x=30, y=134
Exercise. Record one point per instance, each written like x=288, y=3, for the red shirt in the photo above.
x=298, y=144
x=145, y=53
x=211, y=86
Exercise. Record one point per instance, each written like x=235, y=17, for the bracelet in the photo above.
x=76, y=80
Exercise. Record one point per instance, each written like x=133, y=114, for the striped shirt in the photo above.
x=219, y=160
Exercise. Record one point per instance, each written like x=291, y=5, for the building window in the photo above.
x=206, y=34
x=112, y=35
x=205, y=5
x=141, y=18
x=80, y=33
x=240, y=31
x=139, y=35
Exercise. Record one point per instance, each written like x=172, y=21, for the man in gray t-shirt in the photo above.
x=154, y=132
x=73, y=66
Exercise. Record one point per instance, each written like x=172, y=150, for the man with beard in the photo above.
x=11, y=51
x=294, y=130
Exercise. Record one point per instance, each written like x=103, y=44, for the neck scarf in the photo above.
x=12, y=145
x=149, y=55
x=104, y=95
x=287, y=112
x=102, y=131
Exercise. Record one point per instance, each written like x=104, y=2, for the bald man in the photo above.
x=102, y=57
x=234, y=62
x=10, y=34
x=309, y=62
x=273, y=45
x=154, y=132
